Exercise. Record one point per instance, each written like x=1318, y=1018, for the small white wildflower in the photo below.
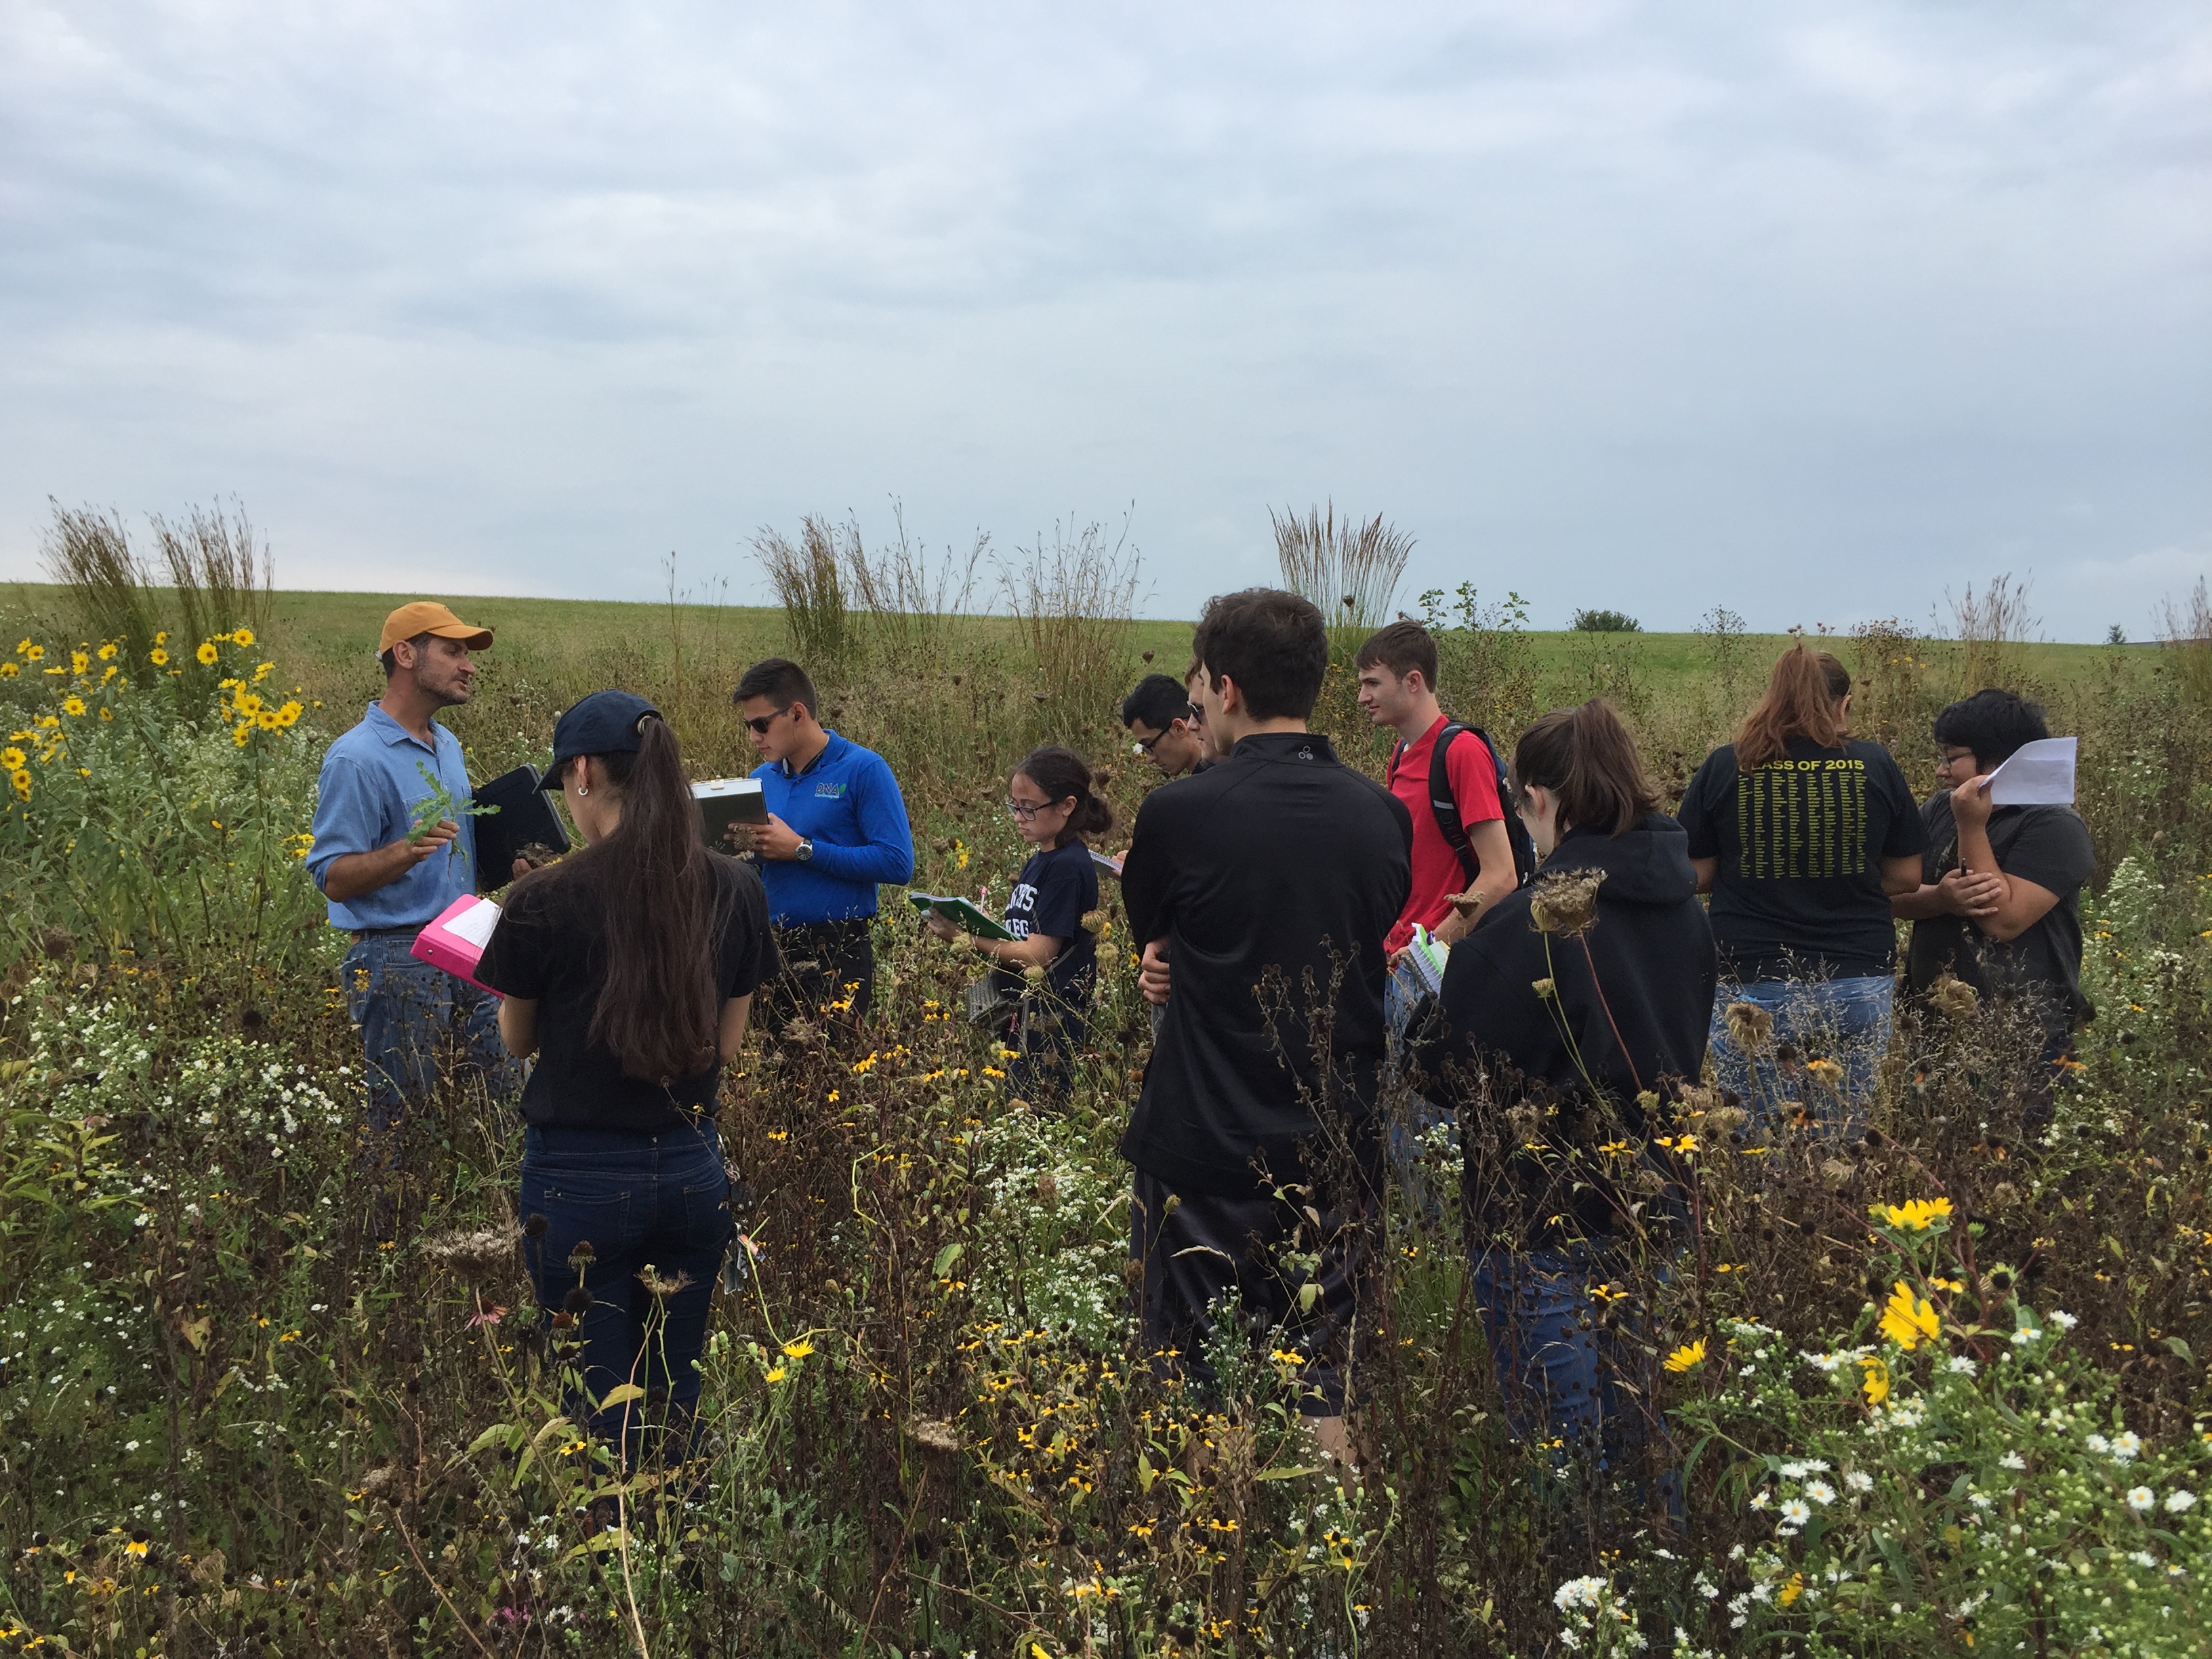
x=1761, y=1499
x=2025, y=1334
x=2141, y=1498
x=2098, y=1443
x=1962, y=1365
x=1859, y=1480
x=2142, y=1558
x=2178, y=1501
x=1797, y=1511
x=2012, y=1460
x=1820, y=1491
x=2125, y=1448
x=132, y=1445
x=2064, y=1320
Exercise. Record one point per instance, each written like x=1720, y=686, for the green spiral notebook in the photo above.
x=961, y=913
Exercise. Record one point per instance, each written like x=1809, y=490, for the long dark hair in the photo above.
x=650, y=888
x=1585, y=756
x=1800, y=700
x=1062, y=773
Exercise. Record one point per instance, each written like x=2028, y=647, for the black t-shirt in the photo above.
x=1798, y=891
x=1057, y=888
x=548, y=948
x=2049, y=846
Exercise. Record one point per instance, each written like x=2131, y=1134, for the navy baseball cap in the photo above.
x=604, y=723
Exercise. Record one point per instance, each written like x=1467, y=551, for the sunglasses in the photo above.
x=760, y=724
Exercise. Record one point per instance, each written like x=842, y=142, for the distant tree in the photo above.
x=2116, y=635
x=1606, y=622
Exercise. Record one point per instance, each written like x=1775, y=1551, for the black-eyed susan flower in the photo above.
x=1686, y=1358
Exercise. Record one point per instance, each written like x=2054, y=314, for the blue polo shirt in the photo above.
x=370, y=781
x=846, y=801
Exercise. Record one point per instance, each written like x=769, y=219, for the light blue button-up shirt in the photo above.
x=372, y=781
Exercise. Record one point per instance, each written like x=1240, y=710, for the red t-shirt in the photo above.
x=1437, y=873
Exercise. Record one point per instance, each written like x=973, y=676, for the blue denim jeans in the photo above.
x=415, y=1020
x=639, y=1201
x=1564, y=1377
x=1845, y=1020
x=1402, y=992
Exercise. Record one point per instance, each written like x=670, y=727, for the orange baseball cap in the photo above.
x=429, y=617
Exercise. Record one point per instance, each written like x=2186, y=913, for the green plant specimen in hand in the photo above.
x=437, y=806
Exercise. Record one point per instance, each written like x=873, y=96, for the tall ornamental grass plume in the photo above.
x=1934, y=1384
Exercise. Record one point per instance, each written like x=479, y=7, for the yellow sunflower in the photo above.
x=157, y=656
x=207, y=653
x=288, y=715
x=9, y=670
x=12, y=759
x=21, y=777
x=80, y=662
x=243, y=636
x=247, y=702
x=268, y=722
x=108, y=652
x=34, y=652
x=72, y=705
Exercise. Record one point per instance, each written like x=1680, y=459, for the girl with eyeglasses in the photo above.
x=1053, y=810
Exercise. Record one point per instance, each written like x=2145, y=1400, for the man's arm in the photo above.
x=1709, y=870
x=885, y=856
x=346, y=861
x=1900, y=875
x=2021, y=902
x=1493, y=882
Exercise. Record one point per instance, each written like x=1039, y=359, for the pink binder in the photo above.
x=456, y=940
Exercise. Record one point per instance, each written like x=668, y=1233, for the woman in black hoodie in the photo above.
x=1575, y=1006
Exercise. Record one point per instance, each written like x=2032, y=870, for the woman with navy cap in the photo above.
x=628, y=969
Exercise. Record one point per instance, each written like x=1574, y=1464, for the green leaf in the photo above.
x=945, y=1258
x=620, y=1394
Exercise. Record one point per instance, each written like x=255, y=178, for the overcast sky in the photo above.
x=1810, y=310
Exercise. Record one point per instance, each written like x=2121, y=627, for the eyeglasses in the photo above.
x=1022, y=810
x=1193, y=715
x=760, y=724
x=1953, y=757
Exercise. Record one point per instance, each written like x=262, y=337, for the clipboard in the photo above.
x=725, y=801
x=961, y=913
x=523, y=816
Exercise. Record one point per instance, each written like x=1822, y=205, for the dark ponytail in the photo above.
x=1062, y=773
x=1587, y=759
x=650, y=887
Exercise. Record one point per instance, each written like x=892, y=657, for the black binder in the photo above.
x=524, y=817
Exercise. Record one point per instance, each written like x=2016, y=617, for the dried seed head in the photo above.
x=1751, y=1027
x=583, y=1255
x=660, y=1287
x=1565, y=904
x=1955, y=997
x=578, y=1300
x=536, y=1227
x=483, y=1257
x=934, y=1433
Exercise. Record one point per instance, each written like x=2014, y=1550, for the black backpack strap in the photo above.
x=1444, y=808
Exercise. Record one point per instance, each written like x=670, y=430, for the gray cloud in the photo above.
x=1811, y=309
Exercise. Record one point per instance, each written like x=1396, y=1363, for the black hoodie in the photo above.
x=1281, y=864
x=1656, y=965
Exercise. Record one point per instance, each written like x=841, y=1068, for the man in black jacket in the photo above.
x=1265, y=885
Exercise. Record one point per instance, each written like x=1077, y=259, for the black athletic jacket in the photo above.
x=1657, y=967
x=1279, y=858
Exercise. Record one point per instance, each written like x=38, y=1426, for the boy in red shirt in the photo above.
x=1397, y=670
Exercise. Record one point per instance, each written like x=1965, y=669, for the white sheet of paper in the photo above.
x=2038, y=774
x=476, y=926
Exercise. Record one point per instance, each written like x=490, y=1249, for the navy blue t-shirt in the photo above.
x=1057, y=888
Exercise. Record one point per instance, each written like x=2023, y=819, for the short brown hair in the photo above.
x=1401, y=647
x=1275, y=644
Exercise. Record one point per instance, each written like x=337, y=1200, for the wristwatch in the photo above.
x=805, y=850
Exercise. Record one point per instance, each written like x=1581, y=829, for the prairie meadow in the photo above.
x=1940, y=1391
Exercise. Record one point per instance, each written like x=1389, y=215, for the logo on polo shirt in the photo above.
x=828, y=790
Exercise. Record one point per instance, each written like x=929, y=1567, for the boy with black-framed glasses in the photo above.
x=836, y=831
x=1169, y=726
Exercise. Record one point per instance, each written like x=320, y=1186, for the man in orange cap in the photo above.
x=390, y=854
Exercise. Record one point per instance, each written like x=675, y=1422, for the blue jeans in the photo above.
x=1845, y=1020
x=416, y=1020
x=1563, y=1376
x=639, y=1201
x=1402, y=992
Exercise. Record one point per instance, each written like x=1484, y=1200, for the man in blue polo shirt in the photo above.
x=836, y=831
x=384, y=887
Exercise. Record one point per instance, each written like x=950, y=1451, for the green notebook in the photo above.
x=961, y=913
